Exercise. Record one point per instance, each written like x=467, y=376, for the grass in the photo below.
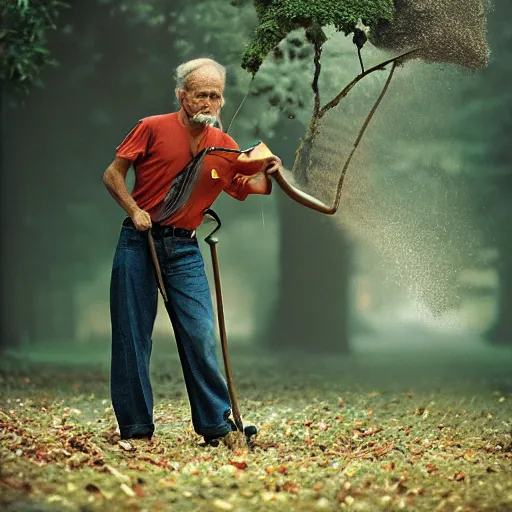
x=426, y=430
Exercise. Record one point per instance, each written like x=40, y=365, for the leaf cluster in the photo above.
x=277, y=18
x=23, y=40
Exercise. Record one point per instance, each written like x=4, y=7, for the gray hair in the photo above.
x=186, y=69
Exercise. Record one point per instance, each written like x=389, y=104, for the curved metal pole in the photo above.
x=311, y=202
x=212, y=242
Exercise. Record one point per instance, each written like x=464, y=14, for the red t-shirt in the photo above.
x=158, y=147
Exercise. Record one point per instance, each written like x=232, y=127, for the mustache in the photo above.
x=206, y=119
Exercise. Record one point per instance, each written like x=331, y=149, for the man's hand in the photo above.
x=141, y=219
x=260, y=182
x=274, y=166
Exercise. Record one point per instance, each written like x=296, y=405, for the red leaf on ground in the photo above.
x=431, y=468
x=291, y=487
x=279, y=469
x=239, y=465
x=460, y=476
x=138, y=490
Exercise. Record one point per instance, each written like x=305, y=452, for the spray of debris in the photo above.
x=452, y=31
x=406, y=197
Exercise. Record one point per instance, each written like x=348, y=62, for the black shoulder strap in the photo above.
x=181, y=188
x=184, y=183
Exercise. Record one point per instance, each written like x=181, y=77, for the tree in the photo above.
x=423, y=30
x=24, y=40
x=53, y=203
x=312, y=312
x=485, y=123
x=24, y=54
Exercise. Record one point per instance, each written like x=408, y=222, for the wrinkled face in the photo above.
x=202, y=97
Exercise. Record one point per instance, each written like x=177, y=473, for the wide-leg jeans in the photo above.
x=133, y=307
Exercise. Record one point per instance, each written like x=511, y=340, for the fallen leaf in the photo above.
x=239, y=465
x=139, y=491
x=431, y=468
x=268, y=496
x=322, y=503
x=127, y=490
x=279, y=469
x=122, y=478
x=318, y=486
x=291, y=487
x=390, y=466
x=470, y=456
x=222, y=504
x=357, y=434
x=126, y=446
x=78, y=459
x=167, y=482
x=350, y=471
x=460, y=476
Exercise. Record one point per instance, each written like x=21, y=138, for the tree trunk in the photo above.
x=9, y=332
x=313, y=303
x=57, y=315
x=501, y=332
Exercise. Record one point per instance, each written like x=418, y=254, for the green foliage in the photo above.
x=277, y=19
x=23, y=41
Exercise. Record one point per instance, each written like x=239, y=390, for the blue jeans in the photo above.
x=133, y=306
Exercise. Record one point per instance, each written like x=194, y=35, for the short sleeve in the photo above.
x=238, y=187
x=135, y=145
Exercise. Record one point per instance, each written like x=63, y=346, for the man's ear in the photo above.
x=179, y=96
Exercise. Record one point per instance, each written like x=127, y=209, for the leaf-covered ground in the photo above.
x=423, y=431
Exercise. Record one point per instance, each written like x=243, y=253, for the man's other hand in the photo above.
x=142, y=220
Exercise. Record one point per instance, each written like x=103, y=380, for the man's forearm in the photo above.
x=116, y=185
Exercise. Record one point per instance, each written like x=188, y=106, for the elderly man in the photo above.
x=159, y=147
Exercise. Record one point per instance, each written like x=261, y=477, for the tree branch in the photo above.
x=305, y=199
x=361, y=133
x=314, y=85
x=334, y=102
